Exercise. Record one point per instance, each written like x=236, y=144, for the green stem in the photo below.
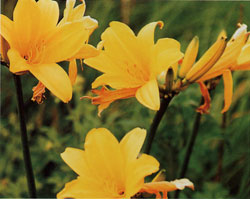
x=24, y=139
x=157, y=119
x=190, y=148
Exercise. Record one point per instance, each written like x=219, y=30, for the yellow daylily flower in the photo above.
x=37, y=42
x=220, y=59
x=111, y=169
x=131, y=64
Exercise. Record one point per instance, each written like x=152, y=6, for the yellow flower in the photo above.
x=131, y=64
x=109, y=169
x=219, y=60
x=37, y=43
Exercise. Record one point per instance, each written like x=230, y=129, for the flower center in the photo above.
x=35, y=54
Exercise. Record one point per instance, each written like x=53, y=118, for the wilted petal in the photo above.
x=207, y=100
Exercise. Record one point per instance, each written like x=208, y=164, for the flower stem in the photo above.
x=190, y=148
x=24, y=139
x=157, y=119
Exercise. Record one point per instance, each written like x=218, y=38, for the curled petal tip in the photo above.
x=160, y=24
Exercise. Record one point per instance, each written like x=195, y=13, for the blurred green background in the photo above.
x=53, y=125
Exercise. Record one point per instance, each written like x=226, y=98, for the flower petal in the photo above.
x=49, y=15
x=65, y=42
x=190, y=57
x=6, y=30
x=132, y=142
x=17, y=63
x=26, y=19
x=120, y=42
x=149, y=95
x=168, y=58
x=90, y=24
x=146, y=34
x=54, y=78
x=82, y=187
x=228, y=90
x=136, y=172
x=207, y=100
x=87, y=51
x=75, y=159
x=244, y=55
x=165, y=186
x=72, y=71
x=166, y=44
x=103, y=153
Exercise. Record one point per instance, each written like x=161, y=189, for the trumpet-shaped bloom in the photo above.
x=131, y=64
x=109, y=169
x=219, y=60
x=37, y=42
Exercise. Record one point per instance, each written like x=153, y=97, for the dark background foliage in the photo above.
x=219, y=166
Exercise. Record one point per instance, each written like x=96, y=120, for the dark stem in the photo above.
x=190, y=148
x=24, y=138
x=157, y=119
x=221, y=149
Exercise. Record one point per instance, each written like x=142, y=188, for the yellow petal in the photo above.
x=228, y=90
x=229, y=58
x=205, y=63
x=49, y=16
x=149, y=96
x=72, y=189
x=75, y=159
x=166, y=44
x=115, y=81
x=103, y=63
x=64, y=42
x=132, y=142
x=103, y=154
x=26, y=18
x=90, y=24
x=146, y=34
x=137, y=171
x=190, y=56
x=120, y=42
x=72, y=71
x=244, y=55
x=6, y=29
x=72, y=14
x=168, y=58
x=4, y=49
x=17, y=63
x=82, y=187
x=54, y=78
x=87, y=51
